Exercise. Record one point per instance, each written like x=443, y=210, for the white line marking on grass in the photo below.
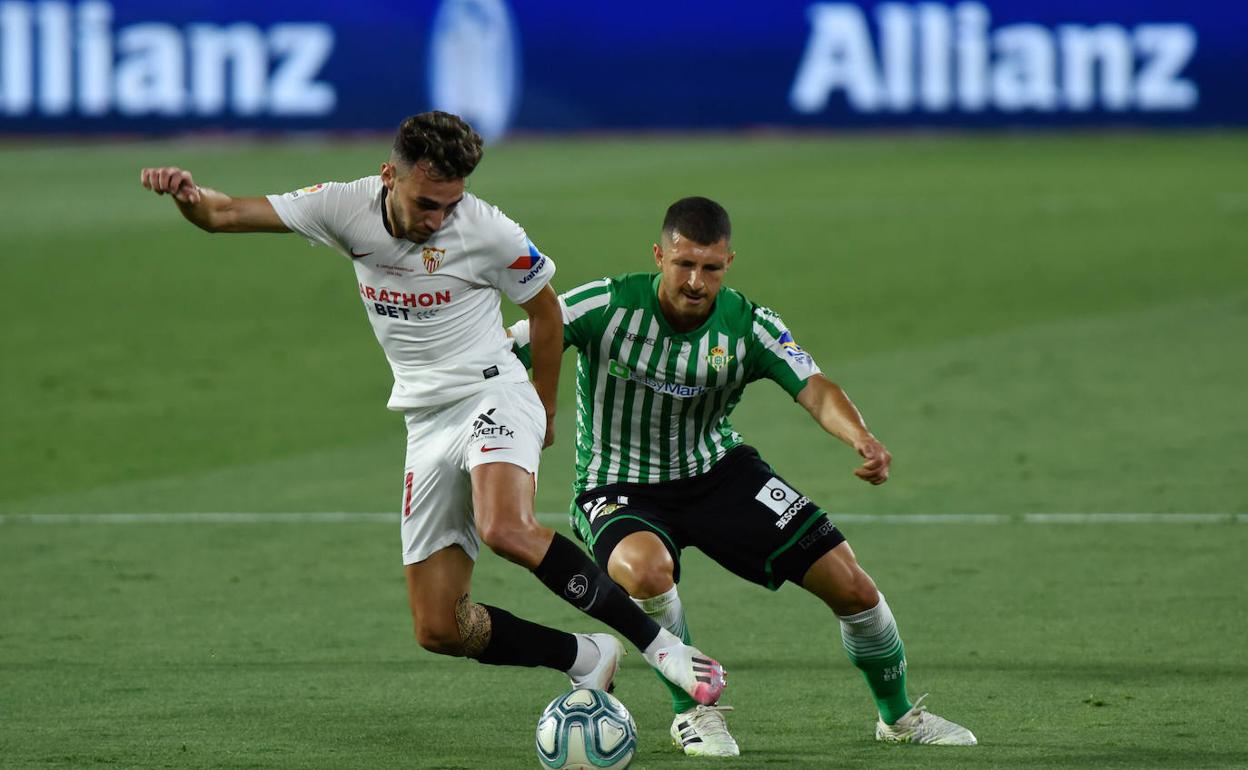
x=856, y=518
x=1134, y=518
x=922, y=518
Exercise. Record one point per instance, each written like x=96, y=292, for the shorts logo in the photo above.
x=485, y=427
x=823, y=529
x=577, y=586
x=432, y=258
x=719, y=358
x=782, y=499
x=603, y=508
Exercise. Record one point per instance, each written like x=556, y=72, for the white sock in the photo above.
x=666, y=610
x=871, y=633
x=664, y=640
x=587, y=656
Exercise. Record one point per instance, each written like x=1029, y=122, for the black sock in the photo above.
x=569, y=573
x=518, y=642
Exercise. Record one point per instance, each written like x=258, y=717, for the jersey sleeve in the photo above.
x=312, y=211
x=774, y=354
x=514, y=265
x=583, y=310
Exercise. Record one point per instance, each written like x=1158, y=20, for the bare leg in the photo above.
x=642, y=565
x=502, y=498
x=437, y=592
x=841, y=583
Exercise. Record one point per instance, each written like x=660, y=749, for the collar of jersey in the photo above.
x=384, y=221
x=657, y=309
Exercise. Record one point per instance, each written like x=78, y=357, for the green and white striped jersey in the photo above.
x=653, y=404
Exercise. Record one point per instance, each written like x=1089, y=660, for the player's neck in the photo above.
x=680, y=324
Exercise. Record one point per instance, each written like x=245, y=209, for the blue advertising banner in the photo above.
x=152, y=67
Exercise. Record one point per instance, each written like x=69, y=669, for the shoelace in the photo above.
x=709, y=725
x=917, y=710
x=926, y=720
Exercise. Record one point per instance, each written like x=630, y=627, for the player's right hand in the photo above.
x=173, y=180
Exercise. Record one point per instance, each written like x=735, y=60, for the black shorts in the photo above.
x=739, y=513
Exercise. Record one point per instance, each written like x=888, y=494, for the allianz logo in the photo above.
x=60, y=58
x=474, y=63
x=937, y=58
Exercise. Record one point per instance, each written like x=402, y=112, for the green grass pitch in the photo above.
x=1032, y=323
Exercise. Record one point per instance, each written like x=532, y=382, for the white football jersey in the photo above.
x=434, y=306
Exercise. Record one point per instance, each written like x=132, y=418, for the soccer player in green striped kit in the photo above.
x=663, y=359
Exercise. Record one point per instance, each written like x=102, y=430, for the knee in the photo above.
x=439, y=638
x=859, y=595
x=841, y=583
x=641, y=576
x=515, y=541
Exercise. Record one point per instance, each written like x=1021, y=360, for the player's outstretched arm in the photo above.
x=833, y=410
x=209, y=209
x=546, y=351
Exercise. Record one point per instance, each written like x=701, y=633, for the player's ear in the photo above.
x=658, y=255
x=387, y=175
x=728, y=264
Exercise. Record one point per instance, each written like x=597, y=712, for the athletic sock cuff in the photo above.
x=871, y=634
x=656, y=605
x=872, y=622
x=570, y=574
x=562, y=558
x=518, y=642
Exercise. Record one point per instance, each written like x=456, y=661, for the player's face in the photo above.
x=418, y=203
x=691, y=276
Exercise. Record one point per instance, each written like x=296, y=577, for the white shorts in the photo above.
x=505, y=423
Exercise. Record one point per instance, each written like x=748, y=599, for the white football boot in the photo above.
x=921, y=726
x=702, y=732
x=686, y=667
x=602, y=676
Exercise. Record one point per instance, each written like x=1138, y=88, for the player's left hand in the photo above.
x=878, y=459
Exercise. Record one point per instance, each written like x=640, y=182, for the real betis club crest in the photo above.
x=432, y=257
x=718, y=358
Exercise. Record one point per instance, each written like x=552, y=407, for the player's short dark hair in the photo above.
x=443, y=141
x=699, y=219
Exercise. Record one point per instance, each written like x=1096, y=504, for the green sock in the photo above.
x=667, y=611
x=873, y=645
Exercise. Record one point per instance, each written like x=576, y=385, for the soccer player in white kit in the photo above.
x=431, y=261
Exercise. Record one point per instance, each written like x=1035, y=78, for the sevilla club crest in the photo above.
x=432, y=258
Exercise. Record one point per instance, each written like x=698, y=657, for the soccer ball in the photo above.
x=586, y=730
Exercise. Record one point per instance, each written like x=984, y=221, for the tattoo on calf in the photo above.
x=474, y=626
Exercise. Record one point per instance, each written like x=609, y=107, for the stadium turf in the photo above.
x=1031, y=323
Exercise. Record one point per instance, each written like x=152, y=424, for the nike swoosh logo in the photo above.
x=492, y=448
x=358, y=256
